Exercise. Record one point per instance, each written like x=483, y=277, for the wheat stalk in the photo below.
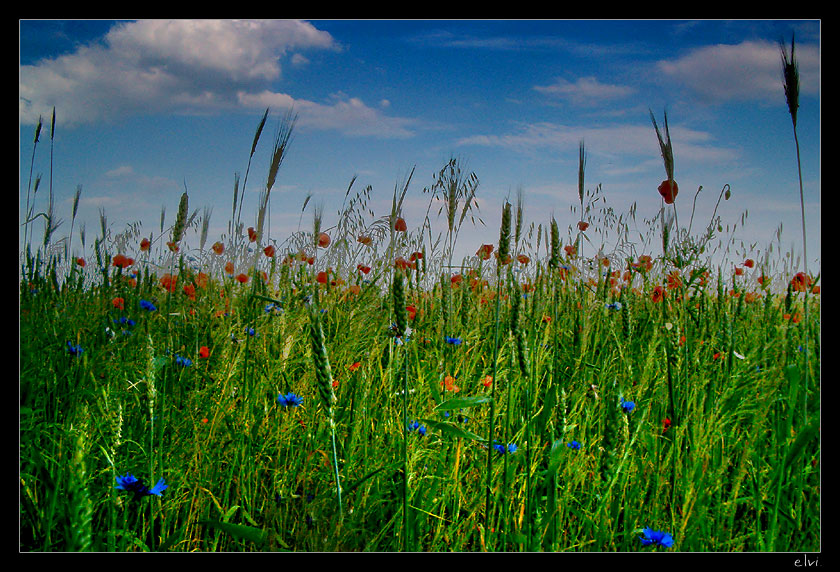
x=324, y=380
x=180, y=219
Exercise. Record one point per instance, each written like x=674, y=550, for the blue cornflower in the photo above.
x=614, y=306
x=656, y=537
x=415, y=426
x=273, y=308
x=627, y=406
x=400, y=340
x=251, y=332
x=124, y=321
x=453, y=341
x=132, y=484
x=146, y=305
x=290, y=400
x=182, y=361
x=500, y=449
x=74, y=350
x=573, y=445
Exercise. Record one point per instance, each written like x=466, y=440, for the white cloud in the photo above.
x=586, y=90
x=163, y=65
x=349, y=115
x=629, y=139
x=749, y=71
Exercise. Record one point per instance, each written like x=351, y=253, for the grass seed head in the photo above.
x=790, y=74
x=180, y=219
x=504, y=235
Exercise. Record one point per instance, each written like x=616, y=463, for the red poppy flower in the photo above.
x=323, y=240
x=485, y=251
x=457, y=279
x=571, y=251
x=523, y=259
x=173, y=246
x=364, y=239
x=582, y=226
x=400, y=225
x=801, y=282
x=362, y=268
x=118, y=303
x=658, y=294
x=666, y=424
x=668, y=189
x=189, y=290
x=204, y=352
x=354, y=366
x=229, y=267
x=674, y=280
x=252, y=234
x=749, y=263
x=81, y=262
x=412, y=311
x=168, y=282
x=269, y=251
x=449, y=384
x=487, y=380
x=145, y=244
x=122, y=261
x=218, y=247
x=401, y=263
x=416, y=256
x=242, y=278
x=321, y=277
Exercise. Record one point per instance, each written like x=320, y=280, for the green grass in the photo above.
x=399, y=443
x=737, y=470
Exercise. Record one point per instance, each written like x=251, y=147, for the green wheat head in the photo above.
x=180, y=219
x=323, y=373
x=504, y=235
x=398, y=295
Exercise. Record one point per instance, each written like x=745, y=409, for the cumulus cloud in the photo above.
x=749, y=71
x=189, y=66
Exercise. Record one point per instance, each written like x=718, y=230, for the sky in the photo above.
x=147, y=109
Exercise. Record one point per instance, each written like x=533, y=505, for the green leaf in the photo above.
x=461, y=402
x=555, y=456
x=240, y=531
x=452, y=430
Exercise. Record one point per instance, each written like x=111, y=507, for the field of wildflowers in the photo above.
x=354, y=388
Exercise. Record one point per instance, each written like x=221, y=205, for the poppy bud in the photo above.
x=668, y=189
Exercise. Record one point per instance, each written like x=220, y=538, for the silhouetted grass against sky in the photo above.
x=145, y=109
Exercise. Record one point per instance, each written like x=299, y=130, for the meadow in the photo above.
x=353, y=387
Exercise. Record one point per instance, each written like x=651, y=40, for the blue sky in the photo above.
x=144, y=108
